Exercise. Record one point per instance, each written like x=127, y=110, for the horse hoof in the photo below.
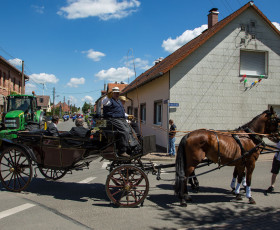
x=238, y=197
x=187, y=198
x=252, y=201
x=183, y=203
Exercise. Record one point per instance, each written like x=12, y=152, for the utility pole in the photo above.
x=53, y=99
x=43, y=87
x=22, y=77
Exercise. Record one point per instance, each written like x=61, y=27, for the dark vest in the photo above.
x=115, y=110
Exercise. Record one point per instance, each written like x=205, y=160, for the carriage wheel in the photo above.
x=53, y=174
x=127, y=186
x=15, y=169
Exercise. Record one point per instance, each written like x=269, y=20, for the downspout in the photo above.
x=168, y=115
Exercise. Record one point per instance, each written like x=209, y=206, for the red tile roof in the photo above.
x=121, y=86
x=180, y=54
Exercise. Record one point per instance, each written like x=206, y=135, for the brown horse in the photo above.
x=225, y=150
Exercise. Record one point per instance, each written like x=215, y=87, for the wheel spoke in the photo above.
x=11, y=159
x=7, y=175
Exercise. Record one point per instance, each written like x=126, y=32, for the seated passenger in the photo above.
x=78, y=131
x=52, y=127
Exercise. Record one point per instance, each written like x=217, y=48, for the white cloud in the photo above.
x=38, y=9
x=75, y=82
x=170, y=45
x=112, y=74
x=29, y=88
x=94, y=55
x=88, y=99
x=277, y=25
x=44, y=78
x=139, y=64
x=15, y=61
x=104, y=9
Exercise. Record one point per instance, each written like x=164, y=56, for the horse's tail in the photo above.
x=180, y=167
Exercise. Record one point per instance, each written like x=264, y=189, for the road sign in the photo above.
x=173, y=104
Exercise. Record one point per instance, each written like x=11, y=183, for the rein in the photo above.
x=219, y=167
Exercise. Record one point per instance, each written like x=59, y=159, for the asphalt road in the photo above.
x=79, y=201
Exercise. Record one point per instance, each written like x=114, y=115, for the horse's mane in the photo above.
x=251, y=123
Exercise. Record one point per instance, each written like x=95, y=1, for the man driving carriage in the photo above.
x=113, y=110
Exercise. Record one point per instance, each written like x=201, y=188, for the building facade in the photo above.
x=219, y=80
x=10, y=80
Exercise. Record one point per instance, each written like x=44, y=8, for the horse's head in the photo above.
x=272, y=125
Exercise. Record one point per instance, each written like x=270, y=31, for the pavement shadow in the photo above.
x=68, y=190
x=219, y=217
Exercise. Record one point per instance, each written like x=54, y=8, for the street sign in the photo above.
x=173, y=104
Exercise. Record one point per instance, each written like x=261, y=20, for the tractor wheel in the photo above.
x=15, y=169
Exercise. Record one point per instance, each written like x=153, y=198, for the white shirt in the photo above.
x=106, y=101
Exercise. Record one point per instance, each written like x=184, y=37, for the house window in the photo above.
x=143, y=113
x=253, y=63
x=14, y=84
x=158, y=112
x=136, y=112
x=41, y=100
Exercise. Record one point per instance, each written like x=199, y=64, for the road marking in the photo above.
x=105, y=164
x=85, y=181
x=15, y=210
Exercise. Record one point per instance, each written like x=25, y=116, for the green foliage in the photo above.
x=86, y=107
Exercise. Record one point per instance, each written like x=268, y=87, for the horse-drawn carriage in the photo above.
x=127, y=183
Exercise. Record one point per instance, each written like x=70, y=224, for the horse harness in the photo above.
x=256, y=139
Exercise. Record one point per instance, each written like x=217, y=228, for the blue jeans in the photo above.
x=172, y=146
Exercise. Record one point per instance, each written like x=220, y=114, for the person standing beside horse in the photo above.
x=275, y=169
x=172, y=133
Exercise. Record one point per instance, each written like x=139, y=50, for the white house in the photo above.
x=219, y=80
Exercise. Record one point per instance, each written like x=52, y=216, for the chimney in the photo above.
x=212, y=17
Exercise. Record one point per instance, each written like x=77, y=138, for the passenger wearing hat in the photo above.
x=113, y=110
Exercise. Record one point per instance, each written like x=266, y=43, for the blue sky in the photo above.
x=78, y=45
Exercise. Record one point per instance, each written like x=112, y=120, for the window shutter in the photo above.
x=252, y=63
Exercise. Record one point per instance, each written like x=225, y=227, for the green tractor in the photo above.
x=21, y=114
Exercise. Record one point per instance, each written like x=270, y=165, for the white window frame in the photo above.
x=143, y=111
x=253, y=63
x=158, y=112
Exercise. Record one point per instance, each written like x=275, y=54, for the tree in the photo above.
x=85, y=107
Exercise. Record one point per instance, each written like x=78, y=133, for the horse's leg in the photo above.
x=249, y=172
x=244, y=184
x=239, y=170
x=184, y=189
x=233, y=181
x=194, y=182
